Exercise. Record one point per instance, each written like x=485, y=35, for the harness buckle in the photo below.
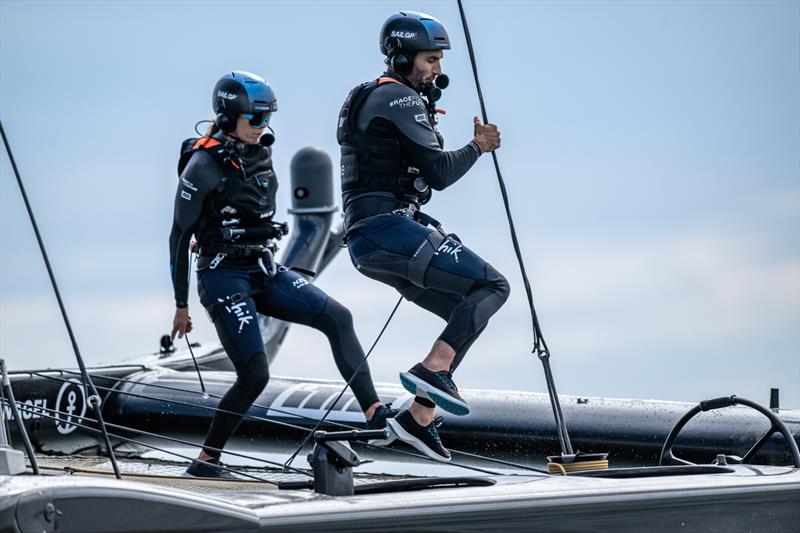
x=408, y=211
x=217, y=260
x=236, y=298
x=272, y=270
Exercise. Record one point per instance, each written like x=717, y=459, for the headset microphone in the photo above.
x=268, y=138
x=442, y=81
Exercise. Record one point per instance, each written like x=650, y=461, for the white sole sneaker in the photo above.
x=423, y=389
x=408, y=438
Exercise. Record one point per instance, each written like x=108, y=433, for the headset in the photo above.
x=401, y=62
x=224, y=123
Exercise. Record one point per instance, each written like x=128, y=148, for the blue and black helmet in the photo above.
x=411, y=32
x=242, y=93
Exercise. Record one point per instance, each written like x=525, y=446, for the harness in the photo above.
x=237, y=218
x=372, y=163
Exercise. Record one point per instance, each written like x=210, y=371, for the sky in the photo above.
x=651, y=151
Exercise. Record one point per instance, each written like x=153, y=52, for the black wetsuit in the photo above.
x=433, y=270
x=285, y=296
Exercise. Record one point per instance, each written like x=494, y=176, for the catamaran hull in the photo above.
x=509, y=425
x=754, y=500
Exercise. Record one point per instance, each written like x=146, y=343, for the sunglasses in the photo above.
x=258, y=120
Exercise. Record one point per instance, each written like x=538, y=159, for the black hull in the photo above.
x=506, y=425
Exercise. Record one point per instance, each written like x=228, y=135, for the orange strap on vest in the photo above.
x=387, y=79
x=205, y=142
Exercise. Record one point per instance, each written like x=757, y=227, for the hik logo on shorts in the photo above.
x=450, y=246
x=239, y=308
x=299, y=282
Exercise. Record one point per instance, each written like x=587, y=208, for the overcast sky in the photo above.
x=650, y=150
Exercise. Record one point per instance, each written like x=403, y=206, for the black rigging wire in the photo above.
x=539, y=344
x=42, y=411
x=196, y=367
x=12, y=402
x=283, y=424
x=349, y=381
x=91, y=393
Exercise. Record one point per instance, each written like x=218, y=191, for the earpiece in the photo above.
x=402, y=63
x=224, y=123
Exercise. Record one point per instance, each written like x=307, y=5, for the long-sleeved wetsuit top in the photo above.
x=397, y=113
x=200, y=181
x=396, y=110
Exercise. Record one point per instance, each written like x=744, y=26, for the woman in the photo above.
x=226, y=199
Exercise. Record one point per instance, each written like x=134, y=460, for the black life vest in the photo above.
x=245, y=195
x=371, y=163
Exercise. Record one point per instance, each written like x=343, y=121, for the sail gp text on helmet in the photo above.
x=226, y=96
x=404, y=34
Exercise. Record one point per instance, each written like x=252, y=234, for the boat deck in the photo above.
x=166, y=473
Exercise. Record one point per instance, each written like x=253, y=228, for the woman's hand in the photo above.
x=486, y=136
x=182, y=323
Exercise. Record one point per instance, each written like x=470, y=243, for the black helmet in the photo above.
x=242, y=93
x=412, y=32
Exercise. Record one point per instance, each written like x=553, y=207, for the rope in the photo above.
x=578, y=466
x=268, y=408
x=12, y=402
x=42, y=411
x=92, y=398
x=539, y=344
x=349, y=381
x=285, y=424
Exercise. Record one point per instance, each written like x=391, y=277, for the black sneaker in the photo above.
x=378, y=421
x=424, y=438
x=437, y=387
x=198, y=469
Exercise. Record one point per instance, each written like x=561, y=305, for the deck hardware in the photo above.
x=333, y=461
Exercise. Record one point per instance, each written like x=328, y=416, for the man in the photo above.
x=392, y=157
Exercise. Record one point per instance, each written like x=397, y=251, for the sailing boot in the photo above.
x=378, y=421
x=198, y=469
x=437, y=387
x=423, y=438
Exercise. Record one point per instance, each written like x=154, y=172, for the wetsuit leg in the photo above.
x=237, y=327
x=442, y=304
x=416, y=260
x=288, y=296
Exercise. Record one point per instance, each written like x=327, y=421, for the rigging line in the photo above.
x=352, y=377
x=285, y=424
x=267, y=408
x=187, y=404
x=216, y=396
x=539, y=344
x=42, y=411
x=500, y=461
x=62, y=370
x=26, y=441
x=199, y=376
x=91, y=393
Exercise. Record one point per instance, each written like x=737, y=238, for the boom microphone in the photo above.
x=442, y=81
x=268, y=138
